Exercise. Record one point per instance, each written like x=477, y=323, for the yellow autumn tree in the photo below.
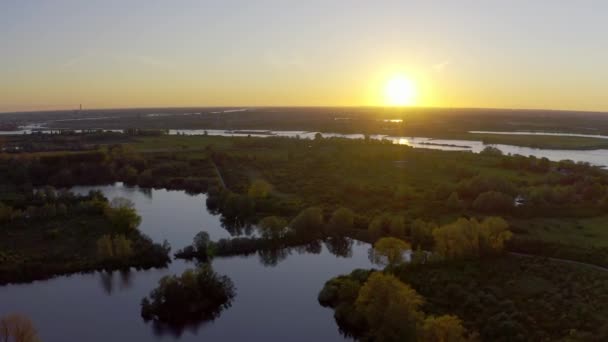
x=389, y=251
x=471, y=238
x=259, y=189
x=341, y=221
x=494, y=233
x=456, y=240
x=17, y=328
x=390, y=307
x=104, y=247
x=447, y=328
x=122, y=246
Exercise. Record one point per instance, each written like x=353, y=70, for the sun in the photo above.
x=399, y=91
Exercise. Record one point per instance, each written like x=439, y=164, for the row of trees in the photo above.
x=310, y=222
x=48, y=204
x=118, y=246
x=244, y=208
x=120, y=211
x=496, y=195
x=471, y=238
x=463, y=238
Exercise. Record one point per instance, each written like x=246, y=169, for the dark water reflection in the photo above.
x=340, y=247
x=275, y=291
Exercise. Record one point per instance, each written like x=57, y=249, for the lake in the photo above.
x=276, y=295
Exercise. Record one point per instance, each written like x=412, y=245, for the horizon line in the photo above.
x=404, y=108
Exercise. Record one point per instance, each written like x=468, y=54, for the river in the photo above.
x=276, y=299
x=597, y=157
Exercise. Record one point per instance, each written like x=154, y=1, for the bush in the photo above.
x=308, y=222
x=341, y=221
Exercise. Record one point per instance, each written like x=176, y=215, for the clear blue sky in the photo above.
x=515, y=54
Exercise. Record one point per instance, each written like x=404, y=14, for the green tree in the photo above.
x=493, y=202
x=128, y=173
x=397, y=226
x=389, y=251
x=122, y=214
x=341, y=221
x=259, y=189
x=403, y=193
x=378, y=227
x=309, y=221
x=421, y=233
x=386, y=224
x=390, y=307
x=201, y=243
x=454, y=202
x=491, y=151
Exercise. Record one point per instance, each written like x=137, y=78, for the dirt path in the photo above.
x=219, y=174
x=572, y=262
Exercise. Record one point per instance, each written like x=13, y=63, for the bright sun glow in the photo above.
x=399, y=91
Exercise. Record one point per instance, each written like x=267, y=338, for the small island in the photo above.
x=197, y=295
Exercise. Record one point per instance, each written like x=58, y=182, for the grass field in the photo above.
x=541, y=141
x=585, y=232
x=180, y=143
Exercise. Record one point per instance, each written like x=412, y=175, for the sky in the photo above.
x=57, y=54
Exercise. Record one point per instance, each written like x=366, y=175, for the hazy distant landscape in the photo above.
x=415, y=121
x=431, y=123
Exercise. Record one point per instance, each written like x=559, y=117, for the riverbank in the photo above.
x=551, y=142
x=458, y=140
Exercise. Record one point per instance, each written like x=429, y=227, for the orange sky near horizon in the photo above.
x=491, y=54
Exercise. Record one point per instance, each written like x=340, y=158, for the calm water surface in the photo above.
x=273, y=302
